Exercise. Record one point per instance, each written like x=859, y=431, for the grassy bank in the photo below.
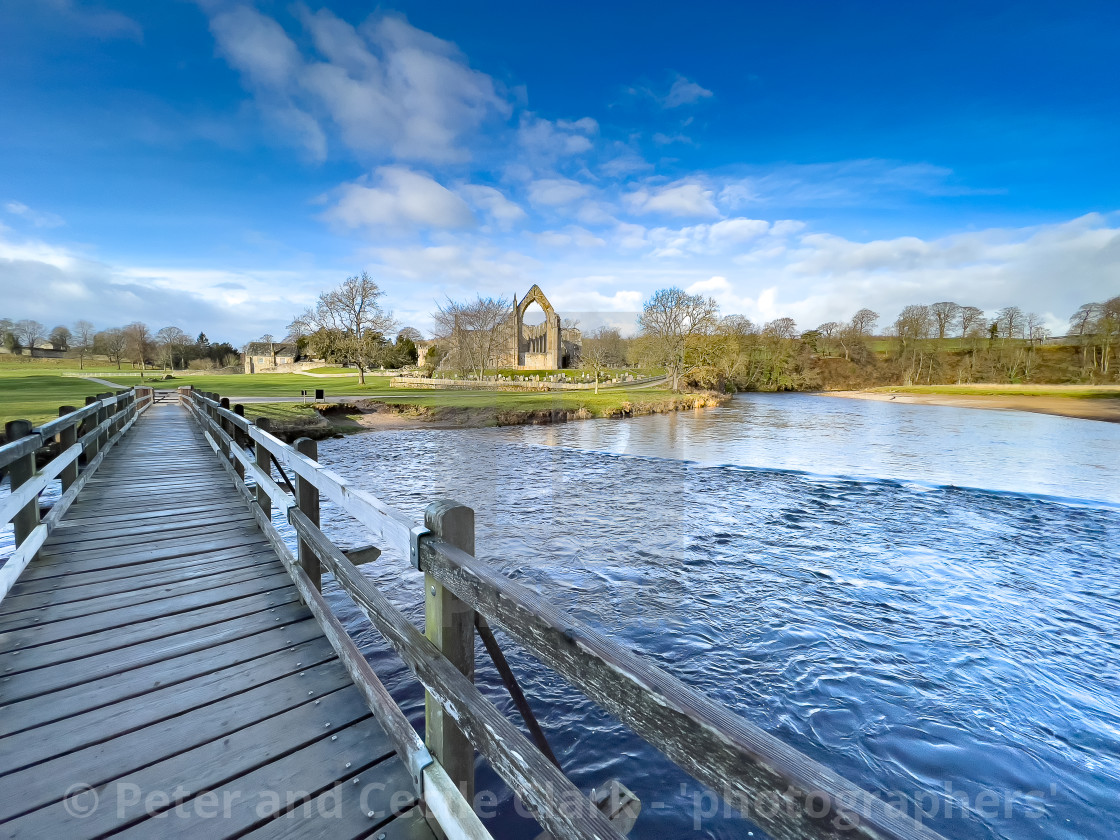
x=1079, y=392
x=428, y=409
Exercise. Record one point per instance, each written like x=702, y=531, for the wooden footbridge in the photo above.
x=169, y=667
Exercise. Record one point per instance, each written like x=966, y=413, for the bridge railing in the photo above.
x=786, y=793
x=76, y=444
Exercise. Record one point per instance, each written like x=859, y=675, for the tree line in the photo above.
x=942, y=342
x=136, y=343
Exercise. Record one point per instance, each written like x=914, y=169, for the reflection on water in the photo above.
x=940, y=642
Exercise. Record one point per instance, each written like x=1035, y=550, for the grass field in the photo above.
x=1081, y=392
x=37, y=396
x=270, y=384
x=32, y=393
x=26, y=366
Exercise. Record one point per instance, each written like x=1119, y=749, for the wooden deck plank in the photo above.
x=203, y=768
x=159, y=641
x=114, y=640
x=128, y=685
x=55, y=608
x=76, y=586
x=265, y=794
x=48, y=781
x=236, y=625
x=34, y=635
x=60, y=565
x=37, y=744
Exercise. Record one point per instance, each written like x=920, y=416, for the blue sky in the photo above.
x=215, y=165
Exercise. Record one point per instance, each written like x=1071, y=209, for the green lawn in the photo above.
x=28, y=366
x=596, y=404
x=576, y=373
x=270, y=384
x=37, y=396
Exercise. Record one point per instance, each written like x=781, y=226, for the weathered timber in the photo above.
x=449, y=625
x=307, y=496
x=716, y=746
x=532, y=776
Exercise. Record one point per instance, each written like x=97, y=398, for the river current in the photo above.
x=924, y=599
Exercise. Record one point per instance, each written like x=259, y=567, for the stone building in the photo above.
x=545, y=346
x=267, y=356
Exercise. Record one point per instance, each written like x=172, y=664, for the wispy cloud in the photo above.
x=684, y=92
x=384, y=87
x=35, y=217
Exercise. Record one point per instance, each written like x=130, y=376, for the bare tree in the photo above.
x=1033, y=326
x=348, y=323
x=670, y=319
x=785, y=328
x=863, y=322
x=945, y=314
x=82, y=340
x=828, y=328
x=1010, y=320
x=410, y=333
x=111, y=343
x=971, y=321
x=138, y=337
x=173, y=343
x=60, y=338
x=472, y=330
x=29, y=333
x=914, y=323
x=601, y=350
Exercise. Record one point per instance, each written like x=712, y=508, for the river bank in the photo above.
x=1083, y=402
x=322, y=420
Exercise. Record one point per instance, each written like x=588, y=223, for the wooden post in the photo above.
x=102, y=416
x=67, y=438
x=88, y=425
x=238, y=440
x=265, y=465
x=21, y=471
x=449, y=623
x=307, y=497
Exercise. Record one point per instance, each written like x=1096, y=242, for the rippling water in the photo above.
x=925, y=641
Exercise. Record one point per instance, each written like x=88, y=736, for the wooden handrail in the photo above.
x=528, y=772
x=746, y=765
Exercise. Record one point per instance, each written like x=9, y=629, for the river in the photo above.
x=923, y=598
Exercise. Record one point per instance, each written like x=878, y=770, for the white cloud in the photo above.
x=501, y=210
x=58, y=284
x=584, y=124
x=684, y=92
x=386, y=86
x=401, y=198
x=556, y=192
x=570, y=236
x=679, y=199
x=545, y=141
x=35, y=217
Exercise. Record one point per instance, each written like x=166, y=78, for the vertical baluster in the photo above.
x=449, y=623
